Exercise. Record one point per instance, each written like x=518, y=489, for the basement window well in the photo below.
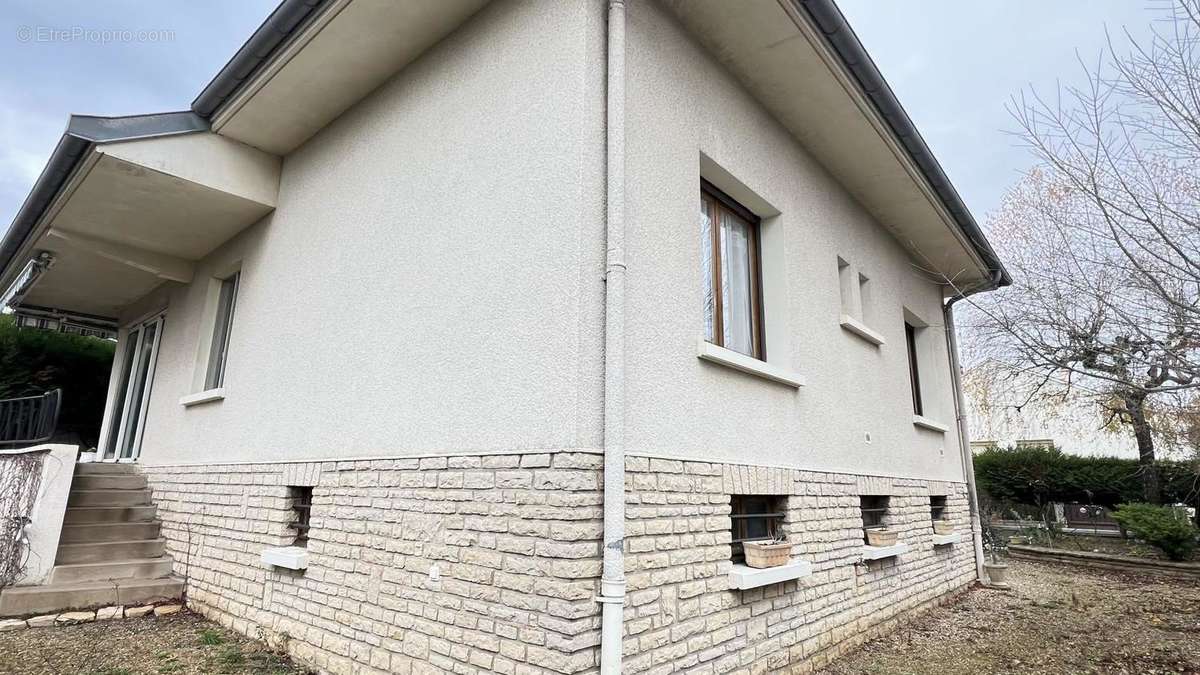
x=294, y=557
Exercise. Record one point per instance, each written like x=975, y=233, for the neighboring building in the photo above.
x=44, y=318
x=393, y=292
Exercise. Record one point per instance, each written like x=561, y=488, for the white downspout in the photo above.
x=964, y=440
x=612, y=581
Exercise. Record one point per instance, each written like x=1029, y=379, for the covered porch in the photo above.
x=124, y=206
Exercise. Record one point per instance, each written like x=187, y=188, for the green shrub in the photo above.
x=1038, y=476
x=35, y=361
x=1160, y=526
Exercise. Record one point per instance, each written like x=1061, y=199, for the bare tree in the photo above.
x=1103, y=239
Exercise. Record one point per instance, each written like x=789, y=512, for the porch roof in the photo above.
x=127, y=203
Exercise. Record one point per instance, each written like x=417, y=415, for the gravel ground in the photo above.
x=180, y=644
x=1056, y=619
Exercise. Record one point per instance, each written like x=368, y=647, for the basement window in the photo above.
x=874, y=512
x=937, y=507
x=754, y=518
x=301, y=503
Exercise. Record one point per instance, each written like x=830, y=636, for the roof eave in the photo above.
x=840, y=37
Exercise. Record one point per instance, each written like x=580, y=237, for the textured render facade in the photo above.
x=419, y=338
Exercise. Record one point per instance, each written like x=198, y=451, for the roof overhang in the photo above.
x=313, y=59
x=802, y=61
x=117, y=213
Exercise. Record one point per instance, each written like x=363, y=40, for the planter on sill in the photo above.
x=763, y=554
x=943, y=527
x=882, y=537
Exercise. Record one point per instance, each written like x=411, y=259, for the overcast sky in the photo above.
x=952, y=63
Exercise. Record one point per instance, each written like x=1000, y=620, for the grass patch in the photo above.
x=232, y=657
x=211, y=637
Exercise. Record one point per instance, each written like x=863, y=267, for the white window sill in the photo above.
x=291, y=557
x=707, y=351
x=946, y=539
x=205, y=396
x=860, y=329
x=881, y=552
x=926, y=423
x=743, y=577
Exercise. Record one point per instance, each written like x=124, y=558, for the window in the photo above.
x=914, y=375
x=937, y=507
x=754, y=518
x=217, y=354
x=301, y=502
x=874, y=511
x=731, y=274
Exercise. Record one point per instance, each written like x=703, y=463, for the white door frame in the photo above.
x=134, y=331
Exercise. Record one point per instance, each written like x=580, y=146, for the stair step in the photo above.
x=115, y=481
x=109, y=551
x=105, y=468
x=25, y=600
x=108, y=498
x=91, y=533
x=142, y=568
x=109, y=514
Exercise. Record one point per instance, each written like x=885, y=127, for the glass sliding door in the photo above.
x=133, y=391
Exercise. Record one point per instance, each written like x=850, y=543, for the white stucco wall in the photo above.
x=681, y=104
x=431, y=277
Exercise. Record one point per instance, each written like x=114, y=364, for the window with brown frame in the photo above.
x=754, y=518
x=731, y=273
x=914, y=373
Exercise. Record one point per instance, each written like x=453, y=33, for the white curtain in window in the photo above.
x=706, y=271
x=735, y=280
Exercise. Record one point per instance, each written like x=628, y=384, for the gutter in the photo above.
x=82, y=134
x=612, y=579
x=829, y=21
x=960, y=409
x=258, y=51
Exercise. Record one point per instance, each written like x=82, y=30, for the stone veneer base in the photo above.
x=491, y=563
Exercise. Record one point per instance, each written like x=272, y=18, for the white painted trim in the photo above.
x=860, y=329
x=881, y=552
x=291, y=557
x=707, y=351
x=947, y=539
x=743, y=577
x=205, y=396
x=926, y=423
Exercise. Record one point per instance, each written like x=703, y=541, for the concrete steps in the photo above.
x=108, y=497
x=110, y=514
x=134, y=568
x=91, y=533
x=26, y=600
x=106, y=551
x=110, y=549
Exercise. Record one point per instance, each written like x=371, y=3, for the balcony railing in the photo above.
x=29, y=420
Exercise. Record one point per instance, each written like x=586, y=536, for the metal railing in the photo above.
x=29, y=420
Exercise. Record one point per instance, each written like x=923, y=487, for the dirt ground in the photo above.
x=180, y=644
x=1055, y=620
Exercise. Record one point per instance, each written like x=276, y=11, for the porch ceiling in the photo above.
x=138, y=213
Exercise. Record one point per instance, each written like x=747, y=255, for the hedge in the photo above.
x=1042, y=475
x=34, y=361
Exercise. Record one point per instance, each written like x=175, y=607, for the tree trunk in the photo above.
x=1151, y=490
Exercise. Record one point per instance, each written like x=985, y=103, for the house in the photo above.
x=429, y=363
